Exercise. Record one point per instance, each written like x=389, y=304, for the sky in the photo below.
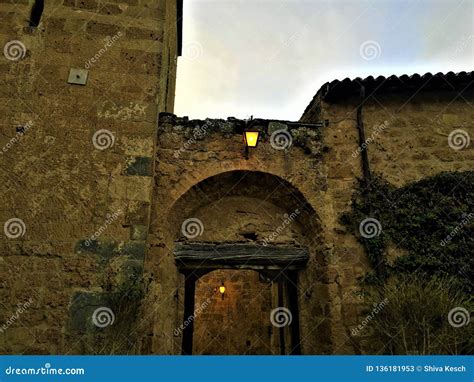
x=268, y=58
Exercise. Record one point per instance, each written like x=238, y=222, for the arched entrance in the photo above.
x=249, y=222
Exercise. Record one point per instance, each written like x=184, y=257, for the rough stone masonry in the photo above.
x=97, y=180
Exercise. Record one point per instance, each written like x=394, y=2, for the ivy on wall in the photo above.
x=432, y=220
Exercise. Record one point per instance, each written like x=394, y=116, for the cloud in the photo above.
x=268, y=58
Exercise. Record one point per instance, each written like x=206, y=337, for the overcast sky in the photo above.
x=267, y=58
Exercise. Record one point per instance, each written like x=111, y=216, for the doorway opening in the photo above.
x=240, y=298
x=235, y=310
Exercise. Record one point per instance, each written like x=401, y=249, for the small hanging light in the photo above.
x=222, y=289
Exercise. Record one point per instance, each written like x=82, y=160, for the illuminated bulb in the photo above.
x=251, y=138
x=222, y=289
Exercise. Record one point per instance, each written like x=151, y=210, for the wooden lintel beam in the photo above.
x=239, y=255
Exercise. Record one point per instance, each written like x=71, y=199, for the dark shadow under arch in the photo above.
x=254, y=184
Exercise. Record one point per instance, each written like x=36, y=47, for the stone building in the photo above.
x=241, y=253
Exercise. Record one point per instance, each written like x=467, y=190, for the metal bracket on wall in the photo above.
x=78, y=76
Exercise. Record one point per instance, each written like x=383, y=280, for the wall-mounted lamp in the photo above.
x=222, y=289
x=250, y=137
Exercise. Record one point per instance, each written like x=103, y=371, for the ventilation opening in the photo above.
x=36, y=13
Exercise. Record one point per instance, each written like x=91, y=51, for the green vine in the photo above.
x=432, y=220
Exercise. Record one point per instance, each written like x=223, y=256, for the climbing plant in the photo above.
x=427, y=291
x=432, y=220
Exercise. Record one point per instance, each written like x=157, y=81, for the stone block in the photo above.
x=132, y=268
x=104, y=248
x=139, y=188
x=139, y=146
x=102, y=29
x=110, y=9
x=82, y=308
x=138, y=232
x=144, y=34
x=134, y=249
x=118, y=187
x=87, y=4
x=137, y=213
x=450, y=119
x=142, y=166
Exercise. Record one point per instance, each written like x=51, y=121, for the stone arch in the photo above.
x=244, y=206
x=247, y=193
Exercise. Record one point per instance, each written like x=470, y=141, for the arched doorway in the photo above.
x=235, y=221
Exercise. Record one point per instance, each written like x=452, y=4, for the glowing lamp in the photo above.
x=251, y=138
x=222, y=290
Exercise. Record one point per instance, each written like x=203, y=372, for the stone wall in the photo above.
x=407, y=137
x=414, y=141
x=76, y=161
